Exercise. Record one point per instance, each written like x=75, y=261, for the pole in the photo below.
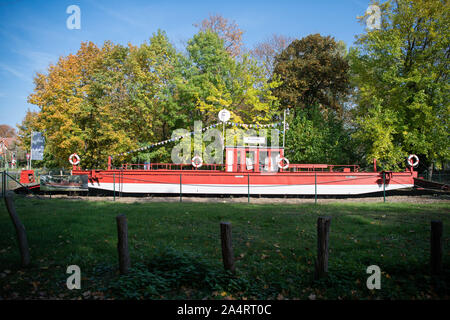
x=114, y=185
x=384, y=186
x=248, y=186
x=223, y=134
x=227, y=247
x=122, y=244
x=20, y=231
x=315, y=187
x=323, y=232
x=31, y=149
x=121, y=182
x=284, y=126
x=436, y=247
x=181, y=190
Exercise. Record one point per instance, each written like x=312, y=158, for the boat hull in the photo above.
x=218, y=183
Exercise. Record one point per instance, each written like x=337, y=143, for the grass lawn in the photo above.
x=176, y=253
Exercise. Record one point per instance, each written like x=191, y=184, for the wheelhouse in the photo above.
x=253, y=159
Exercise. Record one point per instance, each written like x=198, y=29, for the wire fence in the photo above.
x=440, y=177
x=311, y=183
x=9, y=181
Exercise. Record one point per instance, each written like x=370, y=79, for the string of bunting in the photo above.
x=233, y=124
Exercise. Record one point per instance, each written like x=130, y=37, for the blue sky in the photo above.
x=33, y=34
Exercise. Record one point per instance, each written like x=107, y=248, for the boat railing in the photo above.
x=241, y=168
x=322, y=168
x=171, y=167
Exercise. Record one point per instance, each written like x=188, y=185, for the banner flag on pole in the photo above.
x=37, y=146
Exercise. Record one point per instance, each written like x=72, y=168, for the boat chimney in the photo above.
x=374, y=165
x=109, y=162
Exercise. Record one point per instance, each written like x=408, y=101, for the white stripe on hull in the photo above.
x=243, y=189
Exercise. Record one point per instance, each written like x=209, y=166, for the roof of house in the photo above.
x=7, y=141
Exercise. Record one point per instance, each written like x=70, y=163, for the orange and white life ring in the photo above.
x=413, y=160
x=197, y=162
x=280, y=163
x=72, y=161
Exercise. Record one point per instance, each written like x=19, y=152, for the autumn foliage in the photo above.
x=385, y=98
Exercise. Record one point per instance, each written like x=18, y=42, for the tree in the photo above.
x=156, y=67
x=318, y=136
x=401, y=74
x=266, y=52
x=28, y=125
x=60, y=96
x=313, y=72
x=7, y=131
x=228, y=31
x=213, y=80
x=107, y=101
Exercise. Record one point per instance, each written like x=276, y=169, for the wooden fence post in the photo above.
x=227, y=246
x=323, y=232
x=436, y=247
x=20, y=230
x=122, y=244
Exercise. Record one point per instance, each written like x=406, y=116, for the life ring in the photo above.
x=77, y=159
x=279, y=163
x=197, y=162
x=410, y=160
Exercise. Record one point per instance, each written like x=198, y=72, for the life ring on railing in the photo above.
x=280, y=163
x=77, y=159
x=413, y=163
x=197, y=162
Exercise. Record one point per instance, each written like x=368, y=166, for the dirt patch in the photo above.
x=423, y=199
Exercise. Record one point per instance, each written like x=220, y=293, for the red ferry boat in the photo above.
x=247, y=170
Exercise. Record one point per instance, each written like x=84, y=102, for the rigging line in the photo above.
x=27, y=188
x=191, y=133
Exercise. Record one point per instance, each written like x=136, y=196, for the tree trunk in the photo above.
x=430, y=171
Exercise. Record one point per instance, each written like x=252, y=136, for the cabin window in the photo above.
x=230, y=162
x=264, y=161
x=274, y=157
x=250, y=160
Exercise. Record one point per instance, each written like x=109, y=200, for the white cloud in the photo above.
x=14, y=72
x=38, y=61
